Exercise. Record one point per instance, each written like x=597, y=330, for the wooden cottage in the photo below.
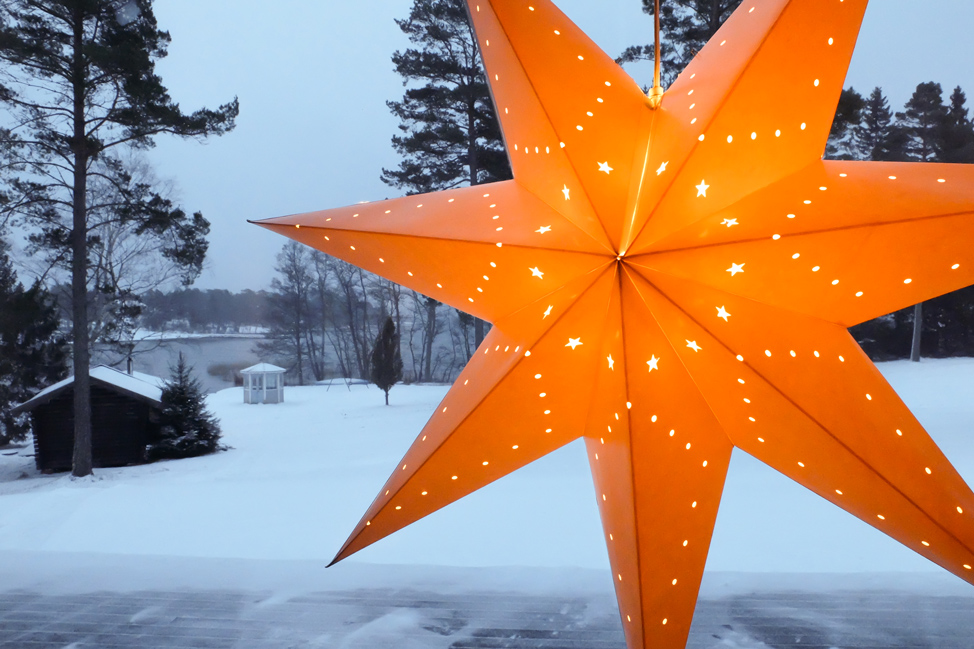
x=125, y=412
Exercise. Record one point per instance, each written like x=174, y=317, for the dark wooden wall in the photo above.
x=121, y=427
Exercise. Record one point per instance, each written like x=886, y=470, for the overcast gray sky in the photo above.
x=313, y=77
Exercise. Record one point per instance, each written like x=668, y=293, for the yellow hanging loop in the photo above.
x=656, y=94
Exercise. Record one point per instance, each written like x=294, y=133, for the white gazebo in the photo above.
x=263, y=383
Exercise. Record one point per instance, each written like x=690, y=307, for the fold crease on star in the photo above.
x=604, y=323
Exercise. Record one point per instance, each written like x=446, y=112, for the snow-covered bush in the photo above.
x=187, y=428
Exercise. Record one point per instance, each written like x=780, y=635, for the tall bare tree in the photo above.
x=290, y=308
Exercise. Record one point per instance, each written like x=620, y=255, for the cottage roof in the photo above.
x=263, y=368
x=143, y=387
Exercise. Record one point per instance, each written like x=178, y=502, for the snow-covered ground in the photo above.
x=300, y=475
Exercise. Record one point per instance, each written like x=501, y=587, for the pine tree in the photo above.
x=187, y=429
x=926, y=130
x=450, y=133
x=848, y=116
x=687, y=25
x=958, y=131
x=875, y=129
x=946, y=322
x=79, y=81
x=879, y=137
x=924, y=119
x=924, y=123
x=386, y=360
x=32, y=352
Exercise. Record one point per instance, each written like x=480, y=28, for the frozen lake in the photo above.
x=204, y=353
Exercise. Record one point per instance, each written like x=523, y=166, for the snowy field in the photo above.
x=300, y=475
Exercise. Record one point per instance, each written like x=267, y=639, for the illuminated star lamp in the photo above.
x=670, y=284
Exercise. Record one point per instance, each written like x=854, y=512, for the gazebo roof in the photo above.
x=263, y=368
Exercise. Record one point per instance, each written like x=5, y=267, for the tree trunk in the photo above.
x=352, y=326
x=81, y=460
x=387, y=397
x=298, y=333
x=917, y=330
x=465, y=319
x=714, y=20
x=321, y=285
x=299, y=347
x=314, y=357
x=395, y=291
x=474, y=164
x=367, y=335
x=417, y=369
x=431, y=305
x=478, y=332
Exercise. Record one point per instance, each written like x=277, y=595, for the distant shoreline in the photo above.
x=173, y=336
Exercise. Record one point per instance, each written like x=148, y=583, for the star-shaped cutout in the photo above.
x=692, y=344
x=604, y=166
x=816, y=410
x=662, y=168
x=729, y=222
x=612, y=363
x=547, y=312
x=722, y=313
x=536, y=272
x=574, y=342
x=735, y=269
x=653, y=363
x=543, y=229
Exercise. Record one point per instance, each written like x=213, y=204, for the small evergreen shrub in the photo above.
x=187, y=428
x=385, y=363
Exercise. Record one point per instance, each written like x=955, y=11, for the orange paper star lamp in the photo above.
x=670, y=284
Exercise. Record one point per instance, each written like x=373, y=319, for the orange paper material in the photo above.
x=670, y=284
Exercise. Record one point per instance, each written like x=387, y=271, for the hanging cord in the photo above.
x=656, y=94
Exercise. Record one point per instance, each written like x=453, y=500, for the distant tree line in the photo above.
x=205, y=311
x=928, y=129
x=324, y=316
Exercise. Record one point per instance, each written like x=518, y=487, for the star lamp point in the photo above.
x=654, y=205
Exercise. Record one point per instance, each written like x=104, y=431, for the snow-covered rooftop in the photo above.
x=138, y=384
x=262, y=367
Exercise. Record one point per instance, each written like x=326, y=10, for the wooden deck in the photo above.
x=410, y=619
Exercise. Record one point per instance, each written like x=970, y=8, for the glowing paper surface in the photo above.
x=670, y=284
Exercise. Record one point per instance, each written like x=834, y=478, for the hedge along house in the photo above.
x=125, y=411
x=263, y=383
